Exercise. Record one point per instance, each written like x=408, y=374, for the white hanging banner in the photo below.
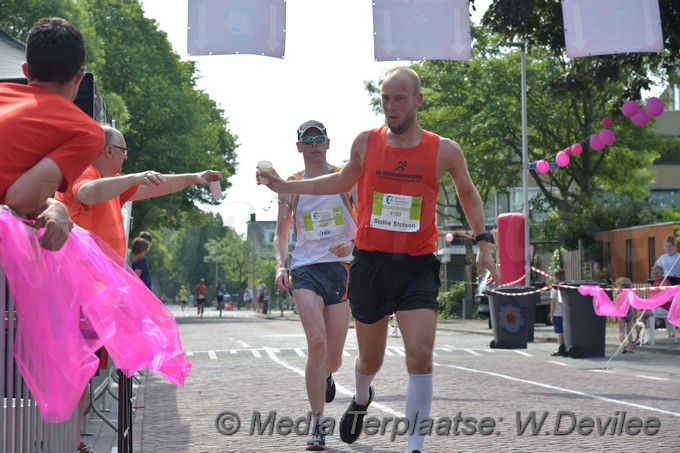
x=421, y=30
x=611, y=26
x=218, y=27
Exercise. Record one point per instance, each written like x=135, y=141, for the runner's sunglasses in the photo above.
x=308, y=140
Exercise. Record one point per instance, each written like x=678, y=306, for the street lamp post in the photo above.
x=525, y=157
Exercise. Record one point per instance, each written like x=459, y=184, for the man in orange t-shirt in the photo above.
x=96, y=197
x=47, y=141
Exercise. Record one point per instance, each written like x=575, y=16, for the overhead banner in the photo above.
x=219, y=27
x=421, y=30
x=611, y=26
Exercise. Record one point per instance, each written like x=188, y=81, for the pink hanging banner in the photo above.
x=421, y=30
x=611, y=26
x=219, y=27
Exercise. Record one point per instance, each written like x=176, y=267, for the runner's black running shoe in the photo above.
x=352, y=421
x=330, y=388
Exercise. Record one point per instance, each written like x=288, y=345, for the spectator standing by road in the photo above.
x=556, y=314
x=261, y=295
x=626, y=322
x=248, y=298
x=140, y=265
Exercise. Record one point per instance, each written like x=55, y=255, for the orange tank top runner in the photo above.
x=397, y=196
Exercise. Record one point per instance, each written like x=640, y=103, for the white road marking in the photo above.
x=256, y=353
x=299, y=352
x=399, y=351
x=562, y=389
x=556, y=362
x=212, y=355
x=651, y=377
x=470, y=351
x=344, y=390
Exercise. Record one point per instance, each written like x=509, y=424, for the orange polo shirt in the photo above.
x=37, y=123
x=103, y=219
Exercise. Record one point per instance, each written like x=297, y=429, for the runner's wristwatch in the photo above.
x=484, y=237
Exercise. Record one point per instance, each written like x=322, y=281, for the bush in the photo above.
x=451, y=302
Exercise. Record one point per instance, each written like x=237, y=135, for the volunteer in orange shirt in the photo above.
x=97, y=196
x=397, y=169
x=47, y=141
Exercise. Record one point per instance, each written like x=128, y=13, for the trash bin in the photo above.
x=584, y=331
x=512, y=312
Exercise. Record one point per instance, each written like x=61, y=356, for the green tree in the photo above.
x=173, y=127
x=234, y=256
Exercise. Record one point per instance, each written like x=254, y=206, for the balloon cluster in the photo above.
x=631, y=109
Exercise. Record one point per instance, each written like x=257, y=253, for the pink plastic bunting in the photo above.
x=604, y=306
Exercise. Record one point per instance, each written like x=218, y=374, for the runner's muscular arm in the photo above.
x=283, y=223
x=451, y=160
x=329, y=184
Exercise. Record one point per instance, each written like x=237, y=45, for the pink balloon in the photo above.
x=630, y=108
x=596, y=143
x=607, y=136
x=654, y=107
x=641, y=118
x=606, y=122
x=562, y=159
x=577, y=149
x=542, y=166
x=568, y=151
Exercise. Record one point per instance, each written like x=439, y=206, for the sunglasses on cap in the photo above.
x=318, y=139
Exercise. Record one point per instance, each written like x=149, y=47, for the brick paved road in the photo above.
x=248, y=365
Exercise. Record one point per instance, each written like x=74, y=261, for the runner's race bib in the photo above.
x=323, y=224
x=396, y=212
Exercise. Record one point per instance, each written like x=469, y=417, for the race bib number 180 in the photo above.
x=396, y=212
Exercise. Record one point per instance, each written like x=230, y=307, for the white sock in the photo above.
x=362, y=383
x=418, y=401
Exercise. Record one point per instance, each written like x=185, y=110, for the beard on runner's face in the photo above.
x=403, y=125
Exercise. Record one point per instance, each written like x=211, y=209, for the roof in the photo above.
x=12, y=55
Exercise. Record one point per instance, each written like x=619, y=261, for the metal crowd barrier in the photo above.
x=22, y=429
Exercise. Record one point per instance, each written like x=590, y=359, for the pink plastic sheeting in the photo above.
x=54, y=358
x=53, y=289
x=124, y=312
x=604, y=306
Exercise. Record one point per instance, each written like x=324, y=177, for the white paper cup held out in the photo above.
x=264, y=166
x=216, y=189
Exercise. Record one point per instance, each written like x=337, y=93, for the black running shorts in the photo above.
x=328, y=280
x=382, y=283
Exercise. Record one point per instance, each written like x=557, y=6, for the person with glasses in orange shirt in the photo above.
x=97, y=196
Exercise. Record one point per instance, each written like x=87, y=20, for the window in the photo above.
x=651, y=252
x=629, y=259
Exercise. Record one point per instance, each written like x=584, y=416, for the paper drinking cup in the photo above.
x=264, y=166
x=216, y=189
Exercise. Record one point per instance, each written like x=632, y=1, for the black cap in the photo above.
x=311, y=124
